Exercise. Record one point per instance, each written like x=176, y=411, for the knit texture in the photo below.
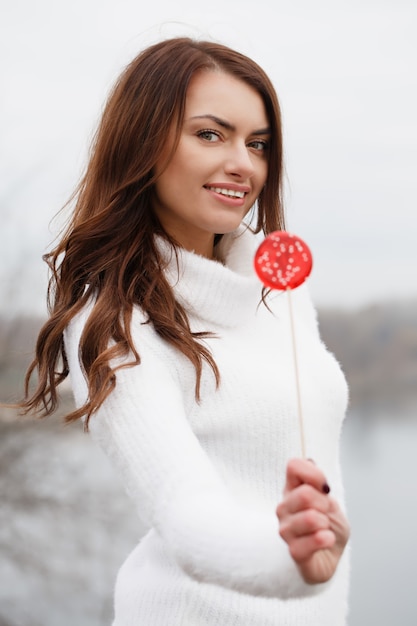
x=206, y=477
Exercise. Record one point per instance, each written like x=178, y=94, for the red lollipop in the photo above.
x=283, y=261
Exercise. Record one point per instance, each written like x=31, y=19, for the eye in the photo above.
x=209, y=135
x=260, y=145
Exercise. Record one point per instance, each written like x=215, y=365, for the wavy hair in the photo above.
x=108, y=250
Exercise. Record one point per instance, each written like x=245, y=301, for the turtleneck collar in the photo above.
x=224, y=292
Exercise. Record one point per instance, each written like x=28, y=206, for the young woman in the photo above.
x=182, y=368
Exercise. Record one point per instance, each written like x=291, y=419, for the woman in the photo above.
x=181, y=366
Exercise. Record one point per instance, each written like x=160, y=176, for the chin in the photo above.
x=224, y=229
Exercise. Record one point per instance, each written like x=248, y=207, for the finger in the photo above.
x=302, y=471
x=304, y=547
x=304, y=523
x=302, y=498
x=339, y=524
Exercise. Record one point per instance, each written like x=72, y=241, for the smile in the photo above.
x=227, y=192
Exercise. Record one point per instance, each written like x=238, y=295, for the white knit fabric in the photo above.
x=206, y=477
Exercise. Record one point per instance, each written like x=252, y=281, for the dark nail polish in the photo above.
x=326, y=488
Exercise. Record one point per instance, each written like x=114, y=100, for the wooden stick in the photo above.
x=297, y=376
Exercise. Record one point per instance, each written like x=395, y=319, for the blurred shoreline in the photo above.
x=375, y=345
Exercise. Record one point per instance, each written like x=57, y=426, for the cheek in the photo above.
x=265, y=170
x=182, y=170
x=262, y=175
x=170, y=181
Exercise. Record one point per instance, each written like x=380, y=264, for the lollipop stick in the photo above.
x=283, y=261
x=297, y=376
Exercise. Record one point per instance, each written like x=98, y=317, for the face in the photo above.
x=220, y=164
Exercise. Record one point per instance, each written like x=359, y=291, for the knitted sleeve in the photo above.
x=143, y=429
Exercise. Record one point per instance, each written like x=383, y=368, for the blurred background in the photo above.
x=346, y=76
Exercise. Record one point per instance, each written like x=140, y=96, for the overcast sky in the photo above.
x=346, y=76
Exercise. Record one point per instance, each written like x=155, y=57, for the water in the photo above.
x=66, y=524
x=380, y=462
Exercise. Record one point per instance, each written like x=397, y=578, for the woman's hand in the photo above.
x=311, y=522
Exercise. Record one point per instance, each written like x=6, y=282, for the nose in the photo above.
x=239, y=161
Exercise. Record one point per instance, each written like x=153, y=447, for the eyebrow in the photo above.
x=228, y=125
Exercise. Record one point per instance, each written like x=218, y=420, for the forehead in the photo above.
x=229, y=98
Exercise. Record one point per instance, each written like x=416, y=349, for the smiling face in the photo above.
x=220, y=164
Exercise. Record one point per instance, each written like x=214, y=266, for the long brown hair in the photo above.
x=108, y=250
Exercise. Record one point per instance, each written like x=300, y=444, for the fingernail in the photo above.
x=326, y=488
x=311, y=461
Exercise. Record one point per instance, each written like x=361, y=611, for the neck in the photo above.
x=190, y=238
x=202, y=245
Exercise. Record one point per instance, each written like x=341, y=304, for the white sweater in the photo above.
x=206, y=478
